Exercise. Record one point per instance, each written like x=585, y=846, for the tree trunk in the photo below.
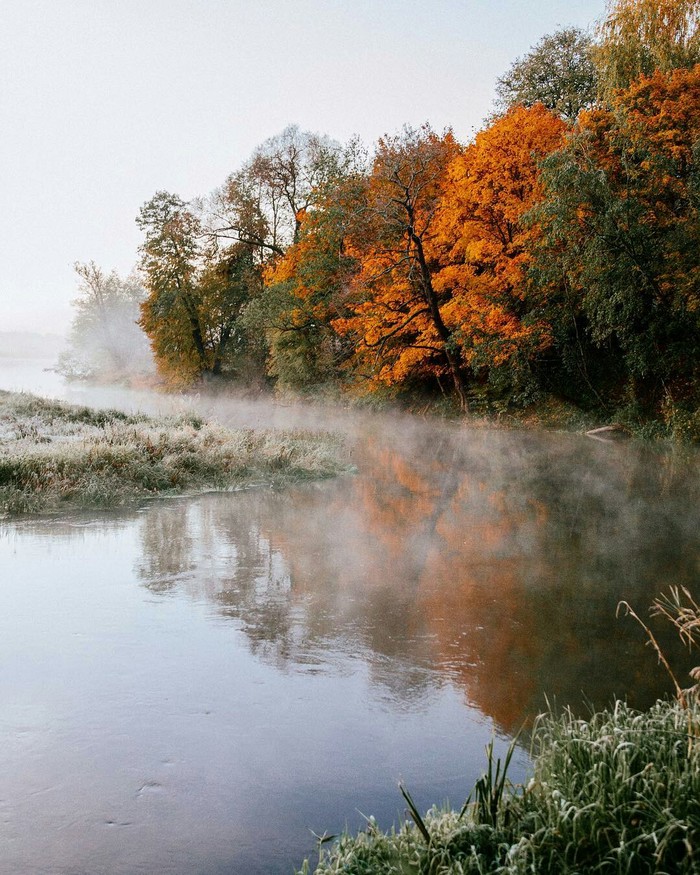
x=436, y=316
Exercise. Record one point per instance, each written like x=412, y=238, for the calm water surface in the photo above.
x=193, y=686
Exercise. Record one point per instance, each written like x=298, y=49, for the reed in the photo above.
x=616, y=793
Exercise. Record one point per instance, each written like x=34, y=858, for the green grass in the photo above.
x=617, y=793
x=54, y=455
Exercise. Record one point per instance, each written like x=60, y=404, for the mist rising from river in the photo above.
x=194, y=684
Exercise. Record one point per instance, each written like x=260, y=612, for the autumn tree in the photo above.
x=195, y=295
x=397, y=323
x=623, y=233
x=262, y=204
x=304, y=294
x=638, y=37
x=226, y=284
x=483, y=244
x=171, y=315
x=303, y=286
x=557, y=72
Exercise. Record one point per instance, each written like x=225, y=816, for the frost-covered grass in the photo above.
x=54, y=454
x=617, y=793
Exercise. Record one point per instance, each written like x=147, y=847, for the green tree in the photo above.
x=620, y=271
x=195, y=294
x=638, y=37
x=171, y=314
x=225, y=287
x=558, y=72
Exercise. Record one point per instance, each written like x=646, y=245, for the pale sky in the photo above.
x=104, y=102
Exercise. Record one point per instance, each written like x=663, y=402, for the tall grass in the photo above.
x=52, y=454
x=616, y=794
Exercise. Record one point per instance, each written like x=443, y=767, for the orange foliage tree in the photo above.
x=396, y=323
x=483, y=245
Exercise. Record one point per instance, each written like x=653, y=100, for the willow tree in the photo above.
x=638, y=37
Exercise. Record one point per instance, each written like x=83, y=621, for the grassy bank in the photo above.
x=618, y=793
x=54, y=454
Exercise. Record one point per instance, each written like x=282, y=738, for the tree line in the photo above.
x=556, y=254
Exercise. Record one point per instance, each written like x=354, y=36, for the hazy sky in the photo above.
x=104, y=102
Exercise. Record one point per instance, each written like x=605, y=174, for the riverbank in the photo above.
x=615, y=793
x=54, y=455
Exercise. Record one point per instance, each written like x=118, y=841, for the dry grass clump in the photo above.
x=53, y=454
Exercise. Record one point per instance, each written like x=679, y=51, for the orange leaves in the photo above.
x=493, y=183
x=481, y=240
x=662, y=112
x=395, y=322
x=443, y=251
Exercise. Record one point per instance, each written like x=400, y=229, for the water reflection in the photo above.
x=489, y=559
x=193, y=685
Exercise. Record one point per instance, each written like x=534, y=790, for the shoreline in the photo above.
x=54, y=455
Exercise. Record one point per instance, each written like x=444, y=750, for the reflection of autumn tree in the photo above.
x=495, y=562
x=523, y=601
x=167, y=548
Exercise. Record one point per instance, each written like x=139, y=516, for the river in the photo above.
x=196, y=685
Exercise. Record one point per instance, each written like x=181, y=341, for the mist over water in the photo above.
x=193, y=685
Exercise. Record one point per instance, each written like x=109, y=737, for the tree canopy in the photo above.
x=555, y=253
x=558, y=72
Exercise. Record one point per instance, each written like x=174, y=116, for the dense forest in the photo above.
x=555, y=256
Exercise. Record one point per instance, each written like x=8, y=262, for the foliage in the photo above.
x=304, y=288
x=263, y=204
x=171, y=315
x=554, y=256
x=195, y=295
x=622, y=240
x=483, y=246
x=639, y=37
x=397, y=327
x=557, y=72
